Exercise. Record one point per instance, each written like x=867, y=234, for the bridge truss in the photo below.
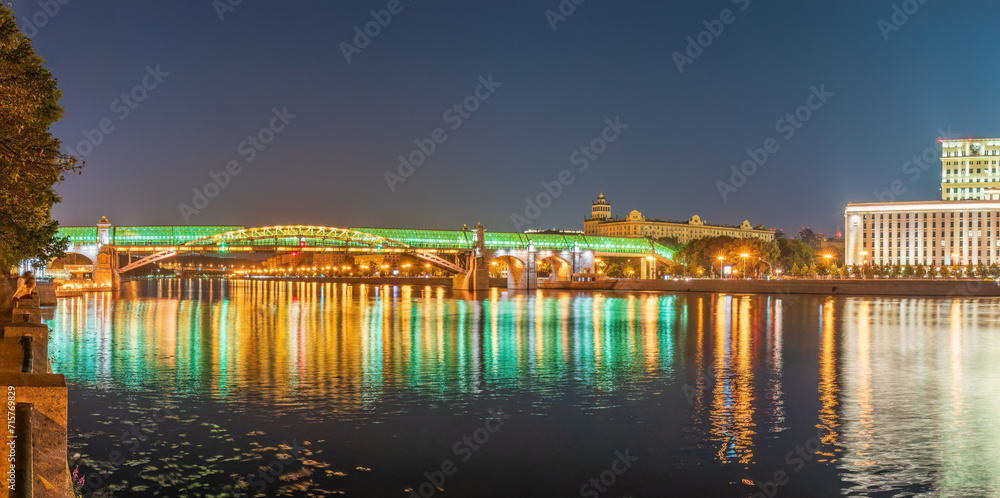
x=314, y=237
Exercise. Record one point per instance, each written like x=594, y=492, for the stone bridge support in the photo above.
x=106, y=269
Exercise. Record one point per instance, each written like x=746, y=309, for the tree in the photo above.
x=823, y=269
x=812, y=271
x=895, y=271
x=994, y=270
x=908, y=270
x=845, y=271
x=614, y=270
x=791, y=251
x=945, y=271
x=30, y=161
x=795, y=270
x=696, y=270
x=981, y=270
x=969, y=270
x=920, y=271
x=932, y=271
x=856, y=271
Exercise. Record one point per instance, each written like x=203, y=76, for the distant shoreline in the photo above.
x=838, y=287
x=846, y=287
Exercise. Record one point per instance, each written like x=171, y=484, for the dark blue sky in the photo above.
x=607, y=59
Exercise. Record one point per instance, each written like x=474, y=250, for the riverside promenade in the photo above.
x=845, y=287
x=35, y=402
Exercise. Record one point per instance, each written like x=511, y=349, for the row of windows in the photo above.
x=962, y=153
x=943, y=243
x=899, y=216
x=968, y=172
x=970, y=163
x=916, y=224
x=933, y=253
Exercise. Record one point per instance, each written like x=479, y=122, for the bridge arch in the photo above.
x=69, y=252
x=562, y=270
x=517, y=271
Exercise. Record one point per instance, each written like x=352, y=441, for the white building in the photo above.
x=923, y=232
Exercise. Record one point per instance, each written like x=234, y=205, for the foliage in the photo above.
x=794, y=252
x=705, y=252
x=30, y=161
x=981, y=270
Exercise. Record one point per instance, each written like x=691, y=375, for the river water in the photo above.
x=219, y=387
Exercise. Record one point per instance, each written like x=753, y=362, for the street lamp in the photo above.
x=744, y=255
x=721, y=259
x=770, y=267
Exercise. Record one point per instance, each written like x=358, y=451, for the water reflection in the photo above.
x=903, y=392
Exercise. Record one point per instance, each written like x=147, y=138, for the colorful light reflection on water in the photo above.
x=713, y=392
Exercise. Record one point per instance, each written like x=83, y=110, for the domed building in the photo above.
x=601, y=222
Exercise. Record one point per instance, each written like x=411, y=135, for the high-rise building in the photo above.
x=969, y=169
x=958, y=230
x=601, y=222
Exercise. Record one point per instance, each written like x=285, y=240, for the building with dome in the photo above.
x=601, y=222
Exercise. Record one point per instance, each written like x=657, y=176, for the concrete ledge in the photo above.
x=47, y=392
x=13, y=352
x=880, y=287
x=34, y=301
x=46, y=293
x=34, y=314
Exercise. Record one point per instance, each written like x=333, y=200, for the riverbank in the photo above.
x=840, y=287
x=866, y=287
x=366, y=280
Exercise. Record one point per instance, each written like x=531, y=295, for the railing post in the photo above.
x=24, y=468
x=29, y=359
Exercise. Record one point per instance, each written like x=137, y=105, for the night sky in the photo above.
x=226, y=78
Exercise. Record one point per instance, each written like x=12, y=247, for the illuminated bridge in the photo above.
x=466, y=253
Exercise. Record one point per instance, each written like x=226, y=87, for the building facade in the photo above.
x=969, y=169
x=635, y=224
x=924, y=232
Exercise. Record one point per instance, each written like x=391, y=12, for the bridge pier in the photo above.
x=647, y=268
x=106, y=269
